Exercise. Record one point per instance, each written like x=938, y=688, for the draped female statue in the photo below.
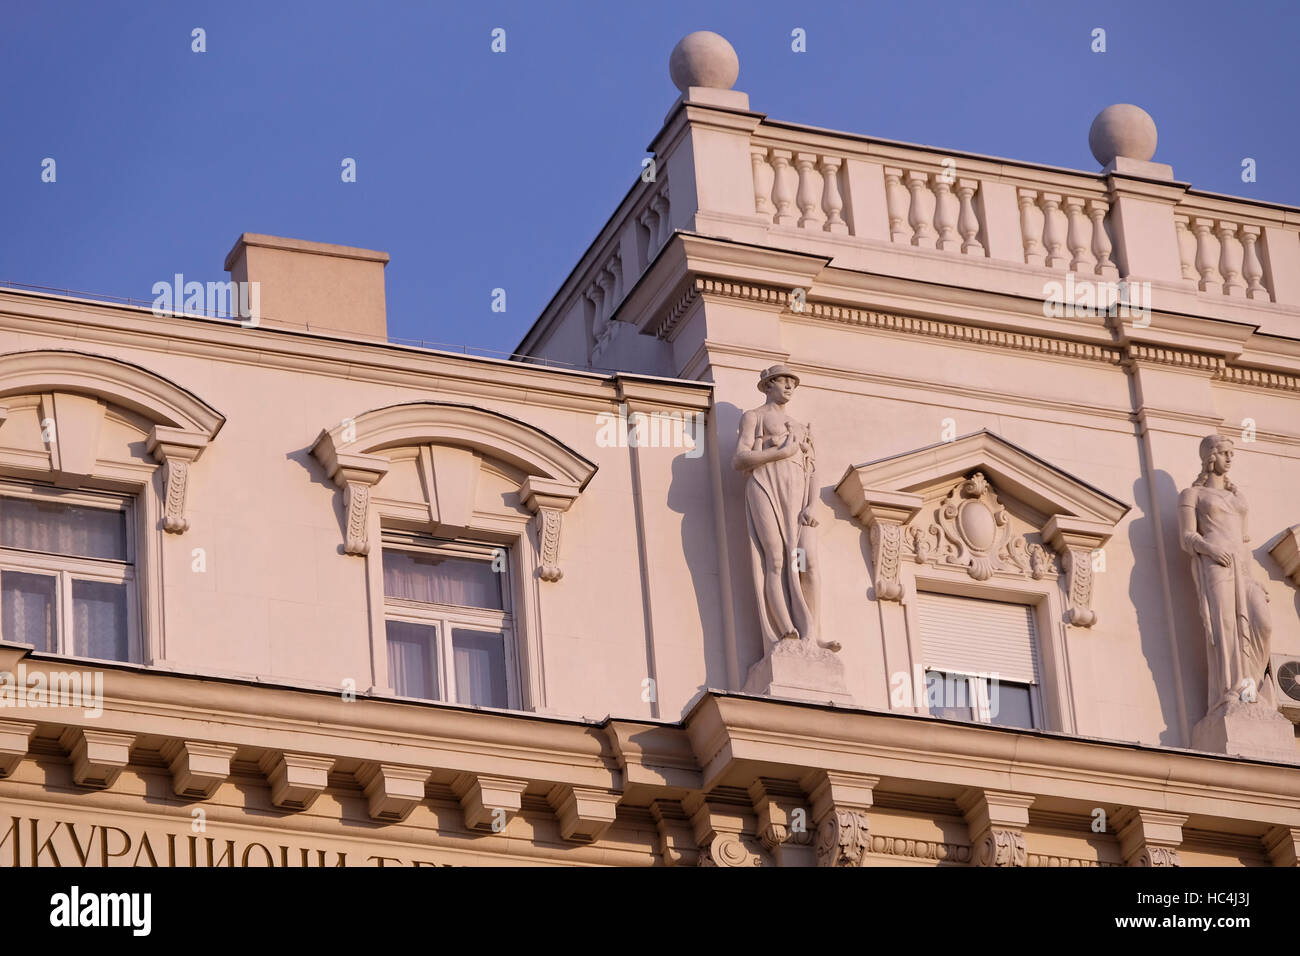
x=1233, y=604
x=776, y=453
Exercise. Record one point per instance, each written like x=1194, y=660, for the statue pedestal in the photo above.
x=800, y=670
x=1253, y=730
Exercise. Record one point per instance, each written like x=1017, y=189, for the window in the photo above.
x=67, y=572
x=981, y=660
x=448, y=622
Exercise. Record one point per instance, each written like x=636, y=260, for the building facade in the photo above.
x=968, y=579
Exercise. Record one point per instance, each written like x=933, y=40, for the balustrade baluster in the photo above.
x=896, y=202
x=945, y=213
x=968, y=223
x=1251, y=267
x=809, y=195
x=1186, y=247
x=1207, y=255
x=762, y=181
x=831, y=199
x=1230, y=258
x=783, y=187
x=919, y=214
x=1031, y=226
x=1054, y=231
x=1078, y=238
x=1101, y=245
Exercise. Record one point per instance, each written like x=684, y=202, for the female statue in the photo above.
x=1233, y=605
x=777, y=454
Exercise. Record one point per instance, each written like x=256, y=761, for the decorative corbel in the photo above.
x=676, y=835
x=1075, y=539
x=840, y=802
x=784, y=825
x=175, y=449
x=548, y=499
x=997, y=821
x=1149, y=837
x=1287, y=553
x=718, y=823
x=356, y=475
x=883, y=514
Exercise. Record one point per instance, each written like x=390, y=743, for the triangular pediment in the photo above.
x=1015, y=472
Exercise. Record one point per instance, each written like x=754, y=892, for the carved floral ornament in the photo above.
x=356, y=455
x=969, y=528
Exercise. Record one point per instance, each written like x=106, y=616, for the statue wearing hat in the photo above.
x=776, y=453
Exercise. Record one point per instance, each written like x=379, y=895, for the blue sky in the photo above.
x=478, y=170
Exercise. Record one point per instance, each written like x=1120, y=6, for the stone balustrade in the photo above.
x=1221, y=256
x=880, y=207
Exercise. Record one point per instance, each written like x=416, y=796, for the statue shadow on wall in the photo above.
x=698, y=537
x=1153, y=630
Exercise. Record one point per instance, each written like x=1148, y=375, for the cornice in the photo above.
x=1126, y=354
x=409, y=753
x=118, y=329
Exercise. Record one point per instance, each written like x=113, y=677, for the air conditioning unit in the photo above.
x=1286, y=685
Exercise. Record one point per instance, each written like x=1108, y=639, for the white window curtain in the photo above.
x=28, y=609
x=480, y=661
x=99, y=612
x=413, y=659
x=439, y=579
x=56, y=528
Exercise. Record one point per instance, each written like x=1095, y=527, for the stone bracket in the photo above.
x=840, y=802
x=15, y=738
x=784, y=818
x=997, y=820
x=548, y=499
x=1075, y=539
x=676, y=835
x=1282, y=843
x=1287, y=553
x=392, y=792
x=489, y=803
x=197, y=769
x=584, y=813
x=357, y=475
x=97, y=756
x=883, y=514
x=1149, y=837
x=296, y=779
x=175, y=449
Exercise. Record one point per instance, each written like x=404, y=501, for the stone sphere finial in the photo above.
x=1122, y=130
x=704, y=58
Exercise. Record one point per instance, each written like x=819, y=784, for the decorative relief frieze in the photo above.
x=920, y=849
x=1041, y=859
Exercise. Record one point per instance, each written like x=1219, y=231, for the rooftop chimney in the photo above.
x=313, y=285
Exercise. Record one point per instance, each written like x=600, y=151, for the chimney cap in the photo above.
x=301, y=245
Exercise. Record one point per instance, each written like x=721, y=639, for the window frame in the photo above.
x=69, y=568
x=447, y=618
x=981, y=705
x=1052, y=702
